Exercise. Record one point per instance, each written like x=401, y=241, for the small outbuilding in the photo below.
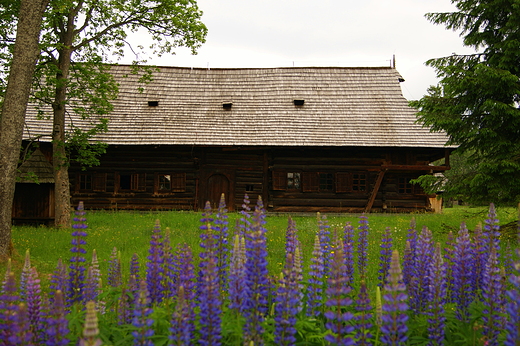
x=34, y=192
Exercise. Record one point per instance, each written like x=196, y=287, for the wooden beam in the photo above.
x=375, y=190
x=414, y=168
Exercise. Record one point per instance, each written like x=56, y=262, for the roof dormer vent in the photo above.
x=153, y=103
x=298, y=102
x=227, y=105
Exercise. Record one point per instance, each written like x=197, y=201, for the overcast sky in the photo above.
x=281, y=33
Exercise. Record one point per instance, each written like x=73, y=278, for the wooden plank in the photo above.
x=414, y=168
x=375, y=190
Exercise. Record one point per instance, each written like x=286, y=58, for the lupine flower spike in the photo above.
x=154, y=268
x=363, y=317
x=385, y=256
x=437, y=299
x=210, y=306
x=141, y=320
x=26, y=272
x=237, y=274
x=338, y=320
x=77, y=261
x=462, y=290
x=513, y=308
x=492, y=294
x=316, y=280
x=182, y=324
x=348, y=250
x=91, y=329
x=420, y=281
x=287, y=303
x=362, y=246
x=56, y=324
x=257, y=282
x=394, y=328
x=114, y=269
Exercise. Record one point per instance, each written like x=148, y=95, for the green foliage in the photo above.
x=477, y=99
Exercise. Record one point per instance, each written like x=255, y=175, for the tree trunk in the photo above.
x=26, y=51
x=60, y=159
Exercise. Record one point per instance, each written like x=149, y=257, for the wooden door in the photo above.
x=218, y=184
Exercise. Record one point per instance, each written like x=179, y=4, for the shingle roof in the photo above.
x=36, y=169
x=343, y=107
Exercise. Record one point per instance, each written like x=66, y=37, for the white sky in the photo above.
x=281, y=33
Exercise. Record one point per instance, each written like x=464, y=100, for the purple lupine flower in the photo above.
x=513, y=308
x=154, y=267
x=480, y=257
x=316, y=280
x=244, y=223
x=420, y=281
x=324, y=234
x=237, y=274
x=93, y=282
x=34, y=300
x=91, y=285
x=77, y=261
x=135, y=267
x=492, y=231
x=26, y=272
x=292, y=247
x=141, y=318
x=437, y=299
x=394, y=328
x=348, y=250
x=9, y=300
x=55, y=323
x=386, y=255
x=462, y=274
x=362, y=246
x=493, y=299
x=257, y=281
x=338, y=320
x=169, y=266
x=58, y=280
x=449, y=257
x=207, y=243
x=221, y=242
x=114, y=277
x=90, y=329
x=210, y=306
x=125, y=303
x=363, y=317
x=185, y=272
x=182, y=325
x=287, y=304
x=21, y=333
x=408, y=264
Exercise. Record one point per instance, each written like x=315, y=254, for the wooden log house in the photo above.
x=304, y=139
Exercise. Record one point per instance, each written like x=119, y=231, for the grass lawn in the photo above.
x=130, y=233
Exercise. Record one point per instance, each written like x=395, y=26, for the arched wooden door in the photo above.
x=218, y=184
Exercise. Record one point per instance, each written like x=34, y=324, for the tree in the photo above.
x=477, y=99
x=14, y=103
x=78, y=37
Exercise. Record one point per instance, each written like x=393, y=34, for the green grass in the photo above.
x=130, y=233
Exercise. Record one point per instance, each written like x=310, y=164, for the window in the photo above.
x=326, y=181
x=84, y=182
x=91, y=182
x=359, y=182
x=129, y=182
x=404, y=185
x=170, y=182
x=293, y=180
